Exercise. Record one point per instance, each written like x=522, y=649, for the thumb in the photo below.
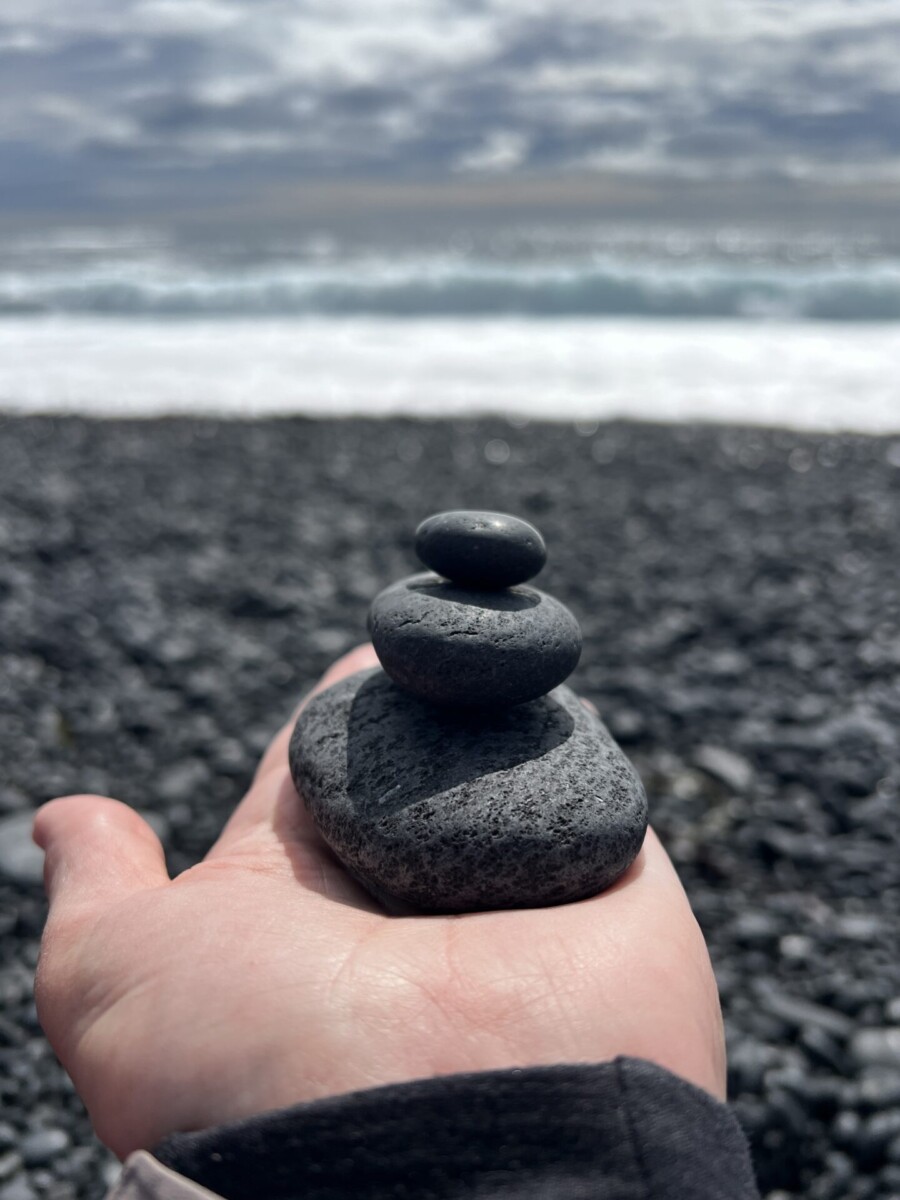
x=96, y=851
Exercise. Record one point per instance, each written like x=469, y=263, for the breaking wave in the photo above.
x=421, y=287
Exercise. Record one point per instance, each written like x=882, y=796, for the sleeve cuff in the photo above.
x=626, y=1130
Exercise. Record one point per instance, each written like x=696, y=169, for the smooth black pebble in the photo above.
x=482, y=549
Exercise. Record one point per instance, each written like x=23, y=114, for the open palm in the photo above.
x=265, y=976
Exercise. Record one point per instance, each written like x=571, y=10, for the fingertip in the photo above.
x=53, y=818
x=87, y=813
x=95, y=846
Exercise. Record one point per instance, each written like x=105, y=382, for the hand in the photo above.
x=264, y=975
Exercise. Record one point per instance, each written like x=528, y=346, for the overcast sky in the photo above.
x=116, y=104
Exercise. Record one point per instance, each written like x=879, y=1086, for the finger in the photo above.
x=267, y=790
x=96, y=851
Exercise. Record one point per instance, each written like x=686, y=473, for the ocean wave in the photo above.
x=448, y=287
x=799, y=374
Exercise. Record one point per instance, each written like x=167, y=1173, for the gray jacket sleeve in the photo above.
x=623, y=1130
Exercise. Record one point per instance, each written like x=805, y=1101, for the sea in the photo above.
x=574, y=322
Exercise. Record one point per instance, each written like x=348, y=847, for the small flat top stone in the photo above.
x=481, y=549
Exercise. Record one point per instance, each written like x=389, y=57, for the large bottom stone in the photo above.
x=456, y=812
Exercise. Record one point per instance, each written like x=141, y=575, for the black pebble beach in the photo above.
x=169, y=588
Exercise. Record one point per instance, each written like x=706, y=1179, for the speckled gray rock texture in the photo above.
x=453, y=812
x=453, y=645
x=481, y=549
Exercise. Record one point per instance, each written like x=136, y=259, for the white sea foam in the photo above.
x=808, y=375
x=620, y=279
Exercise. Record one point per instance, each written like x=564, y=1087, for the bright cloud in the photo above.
x=326, y=88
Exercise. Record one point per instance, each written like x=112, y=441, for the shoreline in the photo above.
x=816, y=376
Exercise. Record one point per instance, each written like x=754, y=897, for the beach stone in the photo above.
x=18, y=1189
x=481, y=549
x=21, y=861
x=449, y=811
x=40, y=1147
x=877, y=1047
x=10, y=1164
x=457, y=646
x=725, y=765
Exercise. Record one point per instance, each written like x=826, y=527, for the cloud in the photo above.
x=502, y=150
x=308, y=89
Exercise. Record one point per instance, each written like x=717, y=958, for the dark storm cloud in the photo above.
x=724, y=88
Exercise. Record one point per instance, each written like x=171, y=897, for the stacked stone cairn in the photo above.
x=462, y=776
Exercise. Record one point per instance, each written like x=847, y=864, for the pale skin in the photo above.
x=265, y=976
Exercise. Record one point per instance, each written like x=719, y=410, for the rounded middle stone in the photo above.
x=472, y=648
x=481, y=549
